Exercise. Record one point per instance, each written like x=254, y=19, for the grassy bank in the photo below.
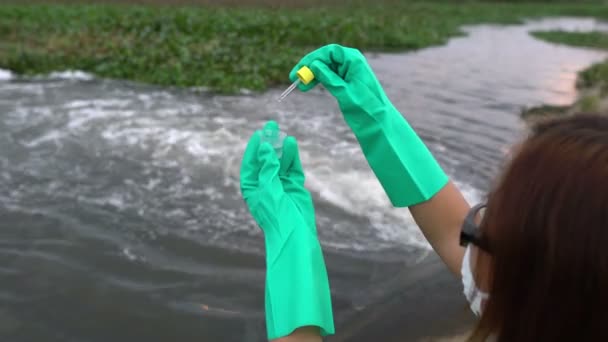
x=592, y=82
x=228, y=48
x=597, y=40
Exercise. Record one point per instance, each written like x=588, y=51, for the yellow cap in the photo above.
x=305, y=75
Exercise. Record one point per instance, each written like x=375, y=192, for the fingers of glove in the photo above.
x=250, y=167
x=328, y=77
x=290, y=150
x=268, y=176
x=328, y=55
x=338, y=59
x=288, y=153
x=294, y=173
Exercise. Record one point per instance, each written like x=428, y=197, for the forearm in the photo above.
x=304, y=334
x=440, y=220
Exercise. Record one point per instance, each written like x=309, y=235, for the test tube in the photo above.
x=289, y=90
x=275, y=138
x=305, y=76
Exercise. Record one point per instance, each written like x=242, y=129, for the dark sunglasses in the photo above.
x=470, y=232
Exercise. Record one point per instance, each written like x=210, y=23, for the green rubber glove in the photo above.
x=400, y=160
x=297, y=287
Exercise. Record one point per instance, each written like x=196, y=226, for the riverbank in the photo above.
x=228, y=48
x=592, y=82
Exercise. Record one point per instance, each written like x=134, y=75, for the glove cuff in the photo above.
x=405, y=167
x=297, y=287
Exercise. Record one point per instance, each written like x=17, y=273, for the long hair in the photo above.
x=547, y=225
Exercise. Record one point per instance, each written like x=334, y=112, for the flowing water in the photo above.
x=121, y=219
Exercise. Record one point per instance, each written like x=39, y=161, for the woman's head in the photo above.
x=546, y=225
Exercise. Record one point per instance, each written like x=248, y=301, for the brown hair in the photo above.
x=547, y=226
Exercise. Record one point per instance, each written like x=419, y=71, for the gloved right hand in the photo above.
x=402, y=163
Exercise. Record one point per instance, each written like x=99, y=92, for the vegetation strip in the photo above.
x=230, y=48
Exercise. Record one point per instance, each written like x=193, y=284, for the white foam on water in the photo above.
x=80, y=114
x=50, y=136
x=220, y=147
x=23, y=89
x=129, y=254
x=152, y=183
x=82, y=117
x=356, y=246
x=116, y=200
x=21, y=114
x=169, y=111
x=98, y=103
x=77, y=104
x=76, y=75
x=137, y=132
x=213, y=193
x=337, y=175
x=354, y=190
x=176, y=213
x=359, y=193
x=6, y=75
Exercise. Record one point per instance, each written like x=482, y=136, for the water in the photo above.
x=121, y=219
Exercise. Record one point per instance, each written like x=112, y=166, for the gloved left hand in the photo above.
x=297, y=287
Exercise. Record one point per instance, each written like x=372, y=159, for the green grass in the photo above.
x=228, y=48
x=596, y=75
x=597, y=40
x=589, y=103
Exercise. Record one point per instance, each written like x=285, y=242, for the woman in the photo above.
x=533, y=261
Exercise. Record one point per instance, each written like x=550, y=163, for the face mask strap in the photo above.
x=474, y=295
